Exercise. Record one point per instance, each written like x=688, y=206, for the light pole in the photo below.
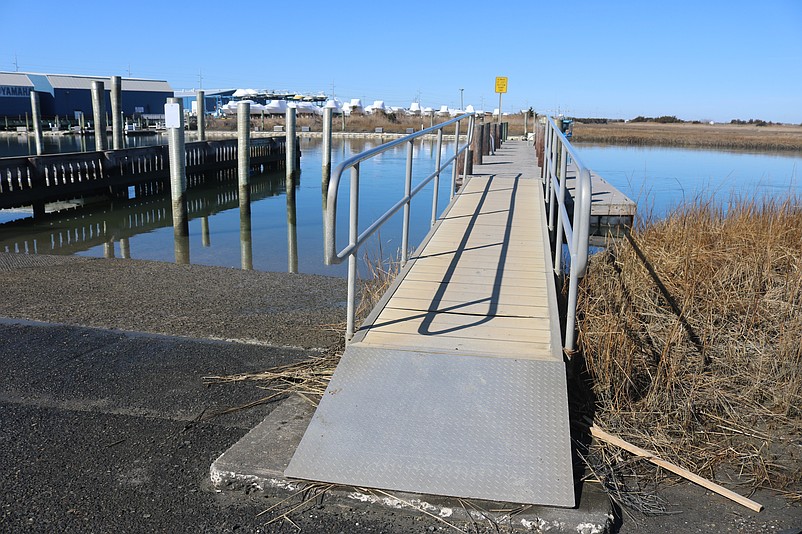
x=461, y=107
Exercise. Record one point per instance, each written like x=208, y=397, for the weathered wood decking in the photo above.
x=610, y=209
x=480, y=283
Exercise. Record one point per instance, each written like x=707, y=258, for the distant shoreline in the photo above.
x=685, y=135
x=713, y=136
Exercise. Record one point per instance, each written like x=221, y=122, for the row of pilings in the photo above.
x=98, y=111
x=99, y=114
x=178, y=177
x=487, y=138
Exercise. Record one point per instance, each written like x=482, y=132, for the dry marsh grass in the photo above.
x=356, y=123
x=747, y=137
x=691, y=331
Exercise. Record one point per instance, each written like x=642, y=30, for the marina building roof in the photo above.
x=47, y=83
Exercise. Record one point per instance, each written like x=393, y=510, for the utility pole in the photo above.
x=461, y=106
x=16, y=64
x=200, y=79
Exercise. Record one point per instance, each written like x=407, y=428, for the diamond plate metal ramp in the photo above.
x=464, y=426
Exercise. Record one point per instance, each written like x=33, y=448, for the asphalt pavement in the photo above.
x=107, y=423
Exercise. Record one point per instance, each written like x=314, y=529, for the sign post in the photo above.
x=501, y=88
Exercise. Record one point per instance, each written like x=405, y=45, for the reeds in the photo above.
x=691, y=330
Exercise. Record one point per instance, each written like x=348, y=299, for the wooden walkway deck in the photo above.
x=480, y=283
x=455, y=384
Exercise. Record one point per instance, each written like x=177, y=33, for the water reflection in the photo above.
x=292, y=230
x=206, y=238
x=86, y=227
x=223, y=232
x=245, y=232
x=23, y=145
x=181, y=248
x=180, y=221
x=125, y=248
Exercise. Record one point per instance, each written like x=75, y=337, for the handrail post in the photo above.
x=407, y=191
x=353, y=235
x=581, y=226
x=560, y=206
x=550, y=177
x=437, y=159
x=579, y=256
x=555, y=176
x=467, y=144
x=456, y=153
x=332, y=255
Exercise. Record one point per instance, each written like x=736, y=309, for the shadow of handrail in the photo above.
x=425, y=327
x=692, y=335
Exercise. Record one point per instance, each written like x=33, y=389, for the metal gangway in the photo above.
x=455, y=384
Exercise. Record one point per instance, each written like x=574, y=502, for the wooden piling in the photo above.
x=291, y=143
x=244, y=143
x=326, y=166
x=98, y=105
x=37, y=123
x=118, y=142
x=178, y=183
x=540, y=133
x=201, y=109
x=477, y=143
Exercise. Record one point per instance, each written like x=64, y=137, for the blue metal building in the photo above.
x=66, y=95
x=214, y=99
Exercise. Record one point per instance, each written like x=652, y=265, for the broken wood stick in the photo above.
x=705, y=483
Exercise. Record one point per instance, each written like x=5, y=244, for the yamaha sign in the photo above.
x=15, y=91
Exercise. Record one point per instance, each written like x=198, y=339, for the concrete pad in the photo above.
x=258, y=461
x=261, y=456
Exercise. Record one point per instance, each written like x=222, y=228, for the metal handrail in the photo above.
x=356, y=239
x=557, y=151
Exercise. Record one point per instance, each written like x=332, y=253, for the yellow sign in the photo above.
x=501, y=84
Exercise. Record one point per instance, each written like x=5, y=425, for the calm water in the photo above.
x=23, y=145
x=217, y=231
x=658, y=178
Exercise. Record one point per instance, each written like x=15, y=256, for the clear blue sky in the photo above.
x=701, y=59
